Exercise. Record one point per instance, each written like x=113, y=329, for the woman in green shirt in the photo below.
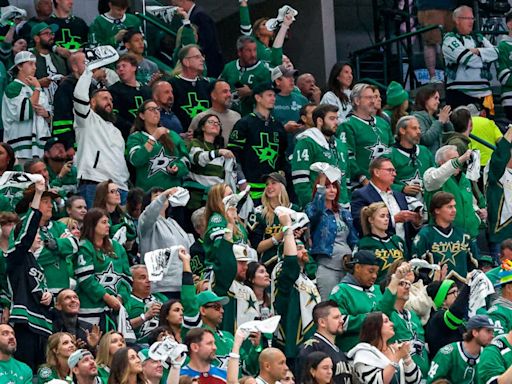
x=58, y=349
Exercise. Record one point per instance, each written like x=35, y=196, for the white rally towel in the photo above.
x=158, y=261
x=180, y=198
x=18, y=179
x=299, y=219
x=332, y=173
x=264, y=326
x=274, y=23
x=480, y=287
x=124, y=327
x=168, y=349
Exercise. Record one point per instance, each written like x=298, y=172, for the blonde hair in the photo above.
x=70, y=222
x=103, y=357
x=268, y=210
x=52, y=361
x=368, y=212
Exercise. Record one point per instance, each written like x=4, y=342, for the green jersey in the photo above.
x=294, y=295
x=104, y=28
x=408, y=327
x=45, y=374
x=503, y=70
x=356, y=302
x=13, y=371
x=453, y=247
x=98, y=273
x=366, y=140
x=455, y=364
x=236, y=76
x=59, y=246
x=136, y=307
x=410, y=166
x=495, y=359
x=311, y=147
x=388, y=249
x=154, y=168
x=66, y=185
x=501, y=314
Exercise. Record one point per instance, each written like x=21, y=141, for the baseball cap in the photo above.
x=240, y=252
x=143, y=355
x=276, y=176
x=262, y=87
x=22, y=57
x=480, y=321
x=207, y=297
x=52, y=141
x=40, y=27
x=365, y=257
x=281, y=70
x=76, y=356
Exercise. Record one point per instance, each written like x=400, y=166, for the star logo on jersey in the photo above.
x=68, y=41
x=266, y=151
x=388, y=257
x=312, y=298
x=160, y=163
x=250, y=303
x=109, y=278
x=39, y=279
x=138, y=102
x=195, y=106
x=310, y=343
x=377, y=149
x=414, y=180
x=223, y=361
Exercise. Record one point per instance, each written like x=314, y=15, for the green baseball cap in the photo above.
x=40, y=27
x=143, y=355
x=207, y=297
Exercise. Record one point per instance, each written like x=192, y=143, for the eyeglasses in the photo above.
x=114, y=191
x=47, y=33
x=369, y=97
x=453, y=292
x=153, y=109
x=198, y=56
x=390, y=170
x=215, y=306
x=214, y=122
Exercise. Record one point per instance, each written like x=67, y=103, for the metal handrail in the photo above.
x=153, y=20
x=398, y=38
x=367, y=80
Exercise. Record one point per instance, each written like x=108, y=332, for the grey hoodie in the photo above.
x=156, y=232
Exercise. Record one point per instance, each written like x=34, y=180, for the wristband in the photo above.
x=274, y=241
x=38, y=89
x=227, y=230
x=54, y=49
x=143, y=317
x=395, y=365
x=233, y=355
x=284, y=228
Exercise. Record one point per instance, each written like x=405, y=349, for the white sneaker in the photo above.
x=10, y=13
x=166, y=13
x=100, y=57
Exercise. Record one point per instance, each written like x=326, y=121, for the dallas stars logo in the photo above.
x=195, y=106
x=266, y=151
x=414, y=179
x=250, y=304
x=38, y=278
x=69, y=41
x=160, y=163
x=377, y=149
x=138, y=102
x=109, y=278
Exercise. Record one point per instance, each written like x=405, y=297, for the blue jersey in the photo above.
x=214, y=376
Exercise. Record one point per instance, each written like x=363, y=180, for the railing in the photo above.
x=385, y=47
x=156, y=22
x=367, y=80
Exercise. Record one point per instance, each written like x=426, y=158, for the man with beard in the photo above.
x=201, y=349
x=457, y=362
x=61, y=171
x=164, y=98
x=83, y=367
x=319, y=144
x=49, y=65
x=128, y=94
x=101, y=146
x=11, y=370
x=329, y=324
x=410, y=159
x=367, y=136
x=221, y=103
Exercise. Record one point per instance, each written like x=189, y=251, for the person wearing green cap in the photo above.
x=294, y=294
x=367, y=136
x=397, y=103
x=448, y=313
x=501, y=309
x=357, y=295
x=50, y=67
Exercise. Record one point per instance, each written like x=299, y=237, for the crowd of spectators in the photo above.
x=159, y=212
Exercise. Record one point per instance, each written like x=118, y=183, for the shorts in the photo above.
x=435, y=16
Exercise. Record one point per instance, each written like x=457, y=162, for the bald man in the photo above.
x=272, y=366
x=163, y=96
x=307, y=85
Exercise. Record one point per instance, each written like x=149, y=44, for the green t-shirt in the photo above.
x=13, y=371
